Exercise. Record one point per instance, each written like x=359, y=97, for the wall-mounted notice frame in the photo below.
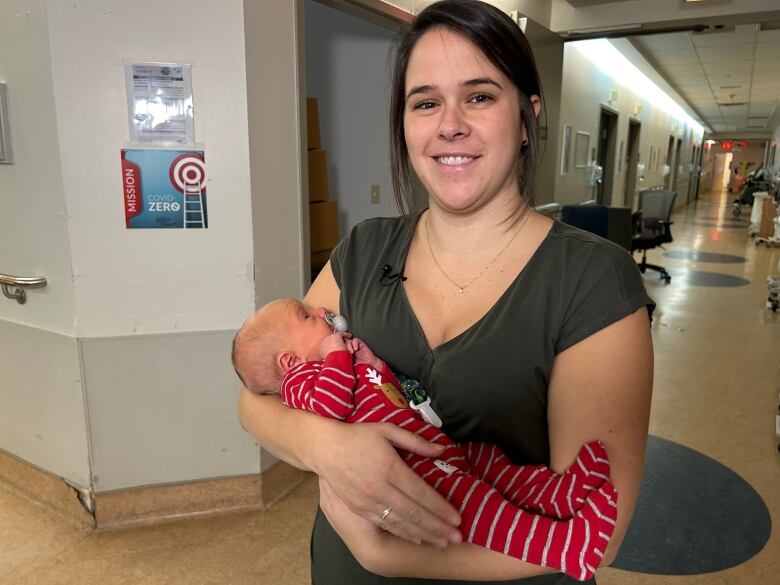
x=6, y=155
x=581, y=145
x=566, y=150
x=159, y=103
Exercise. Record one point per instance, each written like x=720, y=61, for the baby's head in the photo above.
x=278, y=337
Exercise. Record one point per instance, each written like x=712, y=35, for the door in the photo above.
x=606, y=155
x=668, y=162
x=632, y=158
x=693, y=175
x=675, y=164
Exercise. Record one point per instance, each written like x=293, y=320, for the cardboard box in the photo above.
x=323, y=225
x=313, y=124
x=318, y=176
x=320, y=259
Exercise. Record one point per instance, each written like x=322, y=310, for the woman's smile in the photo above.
x=455, y=162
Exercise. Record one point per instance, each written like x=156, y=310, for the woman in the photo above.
x=526, y=332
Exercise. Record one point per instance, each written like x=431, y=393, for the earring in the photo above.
x=524, y=142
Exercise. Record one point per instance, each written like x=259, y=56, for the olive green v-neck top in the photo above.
x=490, y=382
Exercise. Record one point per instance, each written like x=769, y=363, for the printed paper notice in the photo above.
x=159, y=101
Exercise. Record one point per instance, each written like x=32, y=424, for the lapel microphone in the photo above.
x=386, y=278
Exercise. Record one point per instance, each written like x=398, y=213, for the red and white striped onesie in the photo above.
x=563, y=521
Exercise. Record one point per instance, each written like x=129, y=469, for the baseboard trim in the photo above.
x=45, y=489
x=160, y=503
x=151, y=504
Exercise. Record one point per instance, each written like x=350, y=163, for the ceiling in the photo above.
x=729, y=77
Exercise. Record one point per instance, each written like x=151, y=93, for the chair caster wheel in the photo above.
x=667, y=279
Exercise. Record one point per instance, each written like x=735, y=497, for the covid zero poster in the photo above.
x=164, y=188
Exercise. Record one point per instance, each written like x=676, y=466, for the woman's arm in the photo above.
x=382, y=553
x=358, y=460
x=600, y=389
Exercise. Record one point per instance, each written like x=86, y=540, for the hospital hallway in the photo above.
x=715, y=399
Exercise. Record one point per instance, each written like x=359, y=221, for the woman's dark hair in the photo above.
x=505, y=46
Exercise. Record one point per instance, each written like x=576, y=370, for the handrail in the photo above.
x=13, y=286
x=548, y=209
x=555, y=208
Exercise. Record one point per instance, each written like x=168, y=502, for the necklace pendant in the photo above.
x=460, y=290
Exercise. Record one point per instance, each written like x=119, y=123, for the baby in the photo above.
x=563, y=521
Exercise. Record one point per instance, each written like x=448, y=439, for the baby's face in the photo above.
x=306, y=327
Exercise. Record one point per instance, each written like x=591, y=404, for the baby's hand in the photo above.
x=335, y=342
x=363, y=354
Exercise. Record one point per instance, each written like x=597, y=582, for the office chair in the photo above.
x=652, y=227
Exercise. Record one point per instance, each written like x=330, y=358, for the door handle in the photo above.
x=14, y=286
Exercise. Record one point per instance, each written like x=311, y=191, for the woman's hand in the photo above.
x=360, y=464
x=361, y=536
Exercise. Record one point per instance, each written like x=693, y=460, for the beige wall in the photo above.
x=152, y=281
x=130, y=401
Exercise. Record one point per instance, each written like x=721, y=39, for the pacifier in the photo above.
x=338, y=322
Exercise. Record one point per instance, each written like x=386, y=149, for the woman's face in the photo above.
x=462, y=123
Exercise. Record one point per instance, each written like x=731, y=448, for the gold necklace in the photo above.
x=462, y=287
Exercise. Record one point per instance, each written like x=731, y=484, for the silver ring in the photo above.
x=385, y=513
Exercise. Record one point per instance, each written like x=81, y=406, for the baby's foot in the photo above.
x=575, y=546
x=592, y=464
x=596, y=521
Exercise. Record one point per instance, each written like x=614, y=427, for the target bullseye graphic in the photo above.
x=188, y=173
